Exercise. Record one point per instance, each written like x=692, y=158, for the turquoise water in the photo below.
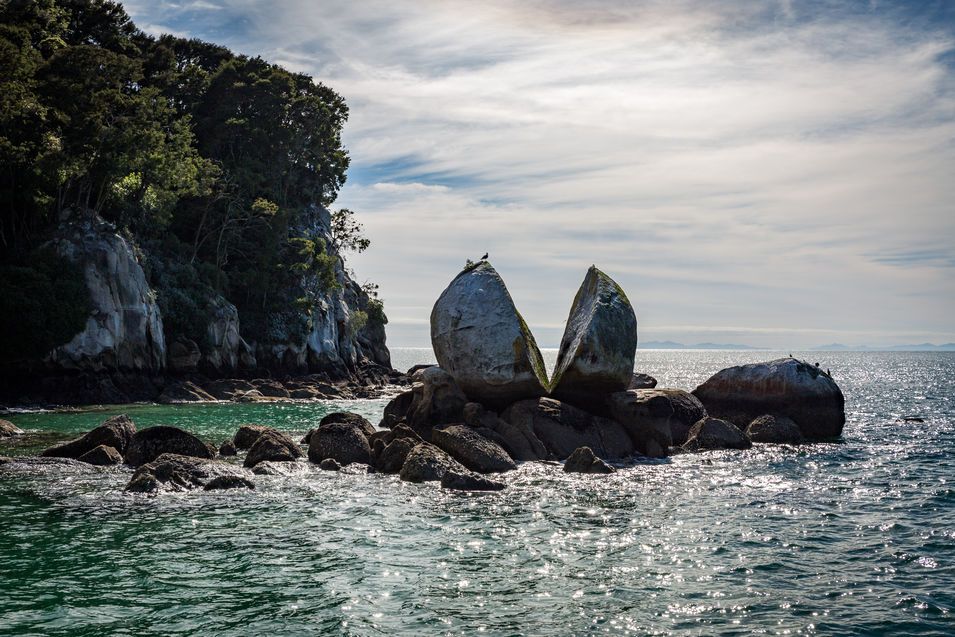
x=850, y=538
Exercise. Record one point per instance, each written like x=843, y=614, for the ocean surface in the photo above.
x=855, y=537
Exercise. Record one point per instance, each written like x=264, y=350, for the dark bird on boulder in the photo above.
x=484, y=258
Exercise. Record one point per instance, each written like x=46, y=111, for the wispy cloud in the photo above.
x=753, y=165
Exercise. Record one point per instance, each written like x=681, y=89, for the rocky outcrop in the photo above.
x=563, y=428
x=687, y=410
x=184, y=392
x=117, y=432
x=124, y=329
x=642, y=381
x=246, y=435
x=472, y=449
x=774, y=429
x=152, y=442
x=102, y=456
x=8, y=429
x=599, y=343
x=783, y=387
x=481, y=339
x=517, y=438
x=393, y=456
x=172, y=472
x=583, y=460
x=427, y=463
x=349, y=418
x=397, y=409
x=436, y=400
x=344, y=442
x=272, y=446
x=224, y=350
x=713, y=433
x=646, y=418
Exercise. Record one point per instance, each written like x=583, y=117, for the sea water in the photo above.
x=855, y=537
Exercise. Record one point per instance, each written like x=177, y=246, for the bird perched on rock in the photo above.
x=484, y=258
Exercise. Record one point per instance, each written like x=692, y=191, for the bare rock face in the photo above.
x=646, y=418
x=272, y=446
x=397, y=409
x=225, y=350
x=117, y=432
x=124, y=330
x=783, y=387
x=642, y=381
x=184, y=392
x=713, y=433
x=152, y=442
x=774, y=429
x=393, y=456
x=517, y=438
x=350, y=418
x=183, y=355
x=101, y=456
x=583, y=460
x=599, y=343
x=344, y=442
x=436, y=400
x=246, y=435
x=172, y=472
x=687, y=409
x=472, y=449
x=563, y=428
x=481, y=339
x=427, y=463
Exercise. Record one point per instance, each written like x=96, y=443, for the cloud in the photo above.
x=779, y=168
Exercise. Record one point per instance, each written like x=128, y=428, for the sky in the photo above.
x=777, y=174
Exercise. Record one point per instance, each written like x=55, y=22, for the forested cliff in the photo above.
x=164, y=206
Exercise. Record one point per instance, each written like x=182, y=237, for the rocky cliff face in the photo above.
x=124, y=331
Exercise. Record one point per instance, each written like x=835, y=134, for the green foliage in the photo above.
x=347, y=232
x=356, y=322
x=376, y=312
x=42, y=305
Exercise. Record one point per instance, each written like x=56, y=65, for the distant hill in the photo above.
x=675, y=345
x=921, y=347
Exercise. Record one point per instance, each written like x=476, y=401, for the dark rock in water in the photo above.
x=599, y=343
x=329, y=464
x=713, y=433
x=427, y=463
x=436, y=400
x=393, y=456
x=185, y=392
x=910, y=419
x=562, y=428
x=646, y=418
x=517, y=439
x=307, y=438
x=384, y=436
x=783, y=387
x=349, y=418
x=246, y=435
x=687, y=410
x=481, y=339
x=101, y=456
x=414, y=368
x=469, y=482
x=642, y=381
x=404, y=431
x=148, y=444
x=228, y=482
x=472, y=449
x=227, y=449
x=583, y=460
x=8, y=429
x=271, y=388
x=173, y=472
x=273, y=446
x=343, y=442
x=229, y=388
x=269, y=468
x=397, y=409
x=774, y=429
x=46, y=465
x=117, y=432
x=304, y=393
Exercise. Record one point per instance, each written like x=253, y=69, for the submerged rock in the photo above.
x=583, y=460
x=274, y=446
x=284, y=468
x=228, y=482
x=427, y=463
x=774, y=429
x=783, y=387
x=148, y=444
x=343, y=442
x=329, y=464
x=102, y=456
x=472, y=449
x=116, y=432
x=173, y=472
x=8, y=429
x=646, y=418
x=713, y=433
x=469, y=482
x=599, y=343
x=562, y=428
x=481, y=339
